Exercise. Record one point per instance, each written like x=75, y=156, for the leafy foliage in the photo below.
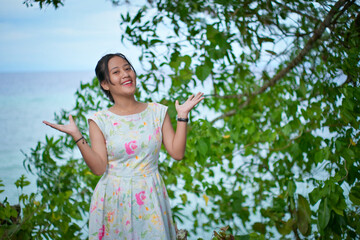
x=59, y=3
x=277, y=151
x=59, y=209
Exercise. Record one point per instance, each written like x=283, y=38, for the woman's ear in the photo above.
x=105, y=85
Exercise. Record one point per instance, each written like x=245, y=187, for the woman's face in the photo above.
x=122, y=77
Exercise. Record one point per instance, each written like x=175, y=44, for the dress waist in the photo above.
x=132, y=173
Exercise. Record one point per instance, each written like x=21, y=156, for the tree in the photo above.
x=278, y=152
x=282, y=80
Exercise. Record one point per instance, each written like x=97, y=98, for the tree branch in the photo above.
x=296, y=61
x=298, y=12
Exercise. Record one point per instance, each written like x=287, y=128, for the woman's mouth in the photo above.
x=127, y=83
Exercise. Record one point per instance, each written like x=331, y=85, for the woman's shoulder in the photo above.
x=159, y=110
x=155, y=105
x=100, y=114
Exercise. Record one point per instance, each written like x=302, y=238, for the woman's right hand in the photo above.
x=70, y=128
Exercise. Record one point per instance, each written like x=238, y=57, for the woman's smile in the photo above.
x=127, y=83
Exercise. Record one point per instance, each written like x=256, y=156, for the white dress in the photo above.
x=130, y=200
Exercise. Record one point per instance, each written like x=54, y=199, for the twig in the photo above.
x=296, y=61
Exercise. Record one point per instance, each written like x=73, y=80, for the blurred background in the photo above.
x=272, y=151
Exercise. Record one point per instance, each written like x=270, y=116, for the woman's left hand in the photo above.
x=184, y=109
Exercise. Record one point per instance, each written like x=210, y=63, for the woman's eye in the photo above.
x=116, y=72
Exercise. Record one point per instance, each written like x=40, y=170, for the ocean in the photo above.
x=26, y=99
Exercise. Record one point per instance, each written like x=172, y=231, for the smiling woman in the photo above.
x=130, y=200
x=110, y=70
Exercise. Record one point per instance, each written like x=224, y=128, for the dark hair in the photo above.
x=102, y=71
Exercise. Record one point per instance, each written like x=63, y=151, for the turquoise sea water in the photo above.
x=26, y=99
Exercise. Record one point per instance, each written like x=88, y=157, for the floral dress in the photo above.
x=130, y=200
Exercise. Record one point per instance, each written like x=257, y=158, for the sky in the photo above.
x=71, y=38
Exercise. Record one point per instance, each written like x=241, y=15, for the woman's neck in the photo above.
x=127, y=106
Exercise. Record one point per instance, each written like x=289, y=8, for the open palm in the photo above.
x=190, y=103
x=70, y=128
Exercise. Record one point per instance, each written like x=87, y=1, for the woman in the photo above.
x=130, y=200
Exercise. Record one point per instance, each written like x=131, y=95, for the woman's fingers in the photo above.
x=70, y=128
x=195, y=97
x=198, y=97
x=53, y=125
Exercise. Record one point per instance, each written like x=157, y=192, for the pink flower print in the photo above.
x=117, y=231
x=110, y=216
x=157, y=133
x=151, y=190
x=130, y=147
x=102, y=199
x=101, y=232
x=140, y=197
x=127, y=222
x=115, y=123
x=93, y=207
x=149, y=137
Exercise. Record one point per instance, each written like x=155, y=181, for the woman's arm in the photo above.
x=94, y=156
x=175, y=142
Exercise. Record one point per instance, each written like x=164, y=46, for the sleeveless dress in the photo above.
x=130, y=200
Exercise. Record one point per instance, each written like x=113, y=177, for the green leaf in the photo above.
x=259, y=227
x=138, y=16
x=202, y=72
x=271, y=52
x=354, y=194
x=203, y=147
x=284, y=228
x=265, y=39
x=316, y=195
x=1, y=185
x=303, y=216
x=291, y=188
x=183, y=198
x=319, y=156
x=154, y=41
x=211, y=33
x=22, y=182
x=323, y=214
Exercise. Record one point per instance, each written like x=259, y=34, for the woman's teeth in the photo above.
x=127, y=82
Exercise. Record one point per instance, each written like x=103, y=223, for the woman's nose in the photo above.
x=125, y=74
